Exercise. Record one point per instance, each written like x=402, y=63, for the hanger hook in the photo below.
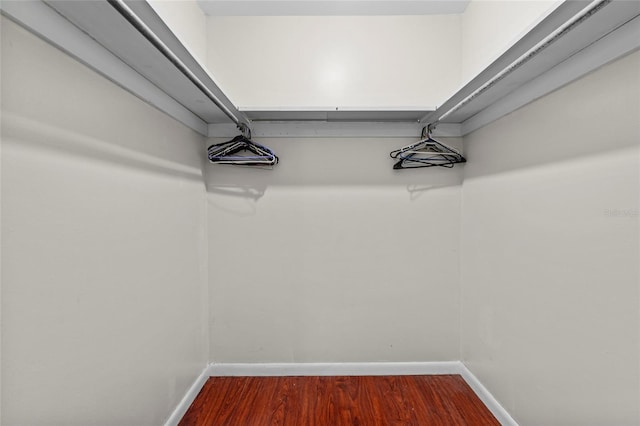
x=245, y=130
x=427, y=131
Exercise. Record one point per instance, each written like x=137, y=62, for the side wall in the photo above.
x=332, y=256
x=550, y=235
x=104, y=297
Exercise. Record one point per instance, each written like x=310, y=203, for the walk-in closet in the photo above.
x=331, y=212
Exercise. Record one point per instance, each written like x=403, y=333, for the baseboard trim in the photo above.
x=486, y=397
x=342, y=369
x=189, y=397
x=337, y=369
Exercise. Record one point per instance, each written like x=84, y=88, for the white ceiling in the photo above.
x=330, y=7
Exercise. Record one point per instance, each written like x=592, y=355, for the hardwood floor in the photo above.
x=444, y=400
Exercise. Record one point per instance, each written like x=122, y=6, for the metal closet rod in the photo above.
x=576, y=20
x=139, y=24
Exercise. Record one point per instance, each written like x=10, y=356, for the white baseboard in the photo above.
x=337, y=369
x=342, y=369
x=485, y=396
x=188, y=398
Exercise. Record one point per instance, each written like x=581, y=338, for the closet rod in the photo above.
x=594, y=7
x=139, y=24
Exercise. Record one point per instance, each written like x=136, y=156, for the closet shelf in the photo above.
x=100, y=36
x=575, y=39
x=105, y=24
x=338, y=114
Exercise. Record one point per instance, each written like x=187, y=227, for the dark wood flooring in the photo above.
x=436, y=400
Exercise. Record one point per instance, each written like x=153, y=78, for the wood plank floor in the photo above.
x=435, y=400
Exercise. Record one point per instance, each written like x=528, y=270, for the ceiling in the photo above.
x=331, y=7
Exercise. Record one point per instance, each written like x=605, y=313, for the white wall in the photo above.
x=375, y=62
x=550, y=279
x=335, y=61
x=490, y=28
x=334, y=257
x=104, y=294
x=188, y=22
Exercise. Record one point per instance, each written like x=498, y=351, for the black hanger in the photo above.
x=427, y=152
x=225, y=152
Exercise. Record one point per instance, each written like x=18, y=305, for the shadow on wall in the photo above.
x=560, y=127
x=329, y=162
x=43, y=137
x=93, y=120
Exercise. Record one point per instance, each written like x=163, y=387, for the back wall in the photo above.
x=333, y=256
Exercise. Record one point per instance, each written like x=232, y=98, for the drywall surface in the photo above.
x=489, y=28
x=550, y=300
x=332, y=256
x=188, y=23
x=103, y=249
x=335, y=61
